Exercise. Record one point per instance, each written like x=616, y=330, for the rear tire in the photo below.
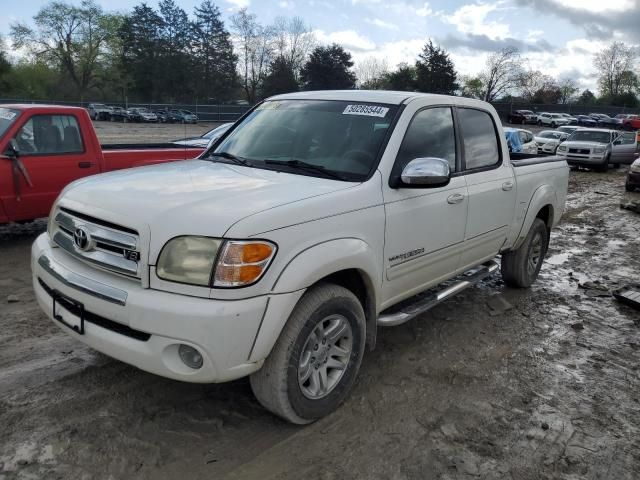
x=316, y=359
x=520, y=267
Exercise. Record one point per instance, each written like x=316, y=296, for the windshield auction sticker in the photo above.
x=366, y=110
x=7, y=114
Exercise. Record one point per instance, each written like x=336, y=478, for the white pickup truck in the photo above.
x=312, y=221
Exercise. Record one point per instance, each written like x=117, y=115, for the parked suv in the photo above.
x=99, y=111
x=552, y=120
x=523, y=117
x=185, y=116
x=598, y=148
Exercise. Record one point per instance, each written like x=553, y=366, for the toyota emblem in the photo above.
x=82, y=239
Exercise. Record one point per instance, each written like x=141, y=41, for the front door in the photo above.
x=54, y=154
x=624, y=148
x=424, y=226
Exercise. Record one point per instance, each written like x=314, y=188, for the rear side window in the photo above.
x=430, y=134
x=50, y=135
x=481, y=148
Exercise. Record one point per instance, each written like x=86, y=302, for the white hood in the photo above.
x=174, y=198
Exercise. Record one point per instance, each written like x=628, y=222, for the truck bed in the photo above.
x=524, y=159
x=117, y=157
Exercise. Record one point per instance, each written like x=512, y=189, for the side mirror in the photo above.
x=426, y=172
x=13, y=150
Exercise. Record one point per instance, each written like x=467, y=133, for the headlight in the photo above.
x=635, y=167
x=562, y=148
x=192, y=260
x=243, y=263
x=599, y=149
x=188, y=260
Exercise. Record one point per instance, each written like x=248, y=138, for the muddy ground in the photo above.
x=549, y=389
x=112, y=133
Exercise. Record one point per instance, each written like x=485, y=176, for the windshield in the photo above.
x=7, y=117
x=589, y=136
x=550, y=135
x=337, y=136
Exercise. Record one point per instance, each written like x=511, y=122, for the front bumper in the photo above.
x=593, y=160
x=144, y=327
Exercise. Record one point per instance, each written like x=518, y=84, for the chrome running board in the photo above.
x=466, y=280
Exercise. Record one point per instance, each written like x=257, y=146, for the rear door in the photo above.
x=490, y=184
x=54, y=153
x=624, y=148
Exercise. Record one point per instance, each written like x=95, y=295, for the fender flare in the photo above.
x=543, y=196
x=337, y=255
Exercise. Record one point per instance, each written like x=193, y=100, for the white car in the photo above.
x=527, y=142
x=279, y=254
x=205, y=139
x=552, y=120
x=547, y=141
x=572, y=120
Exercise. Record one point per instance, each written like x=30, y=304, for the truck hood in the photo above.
x=582, y=144
x=195, y=197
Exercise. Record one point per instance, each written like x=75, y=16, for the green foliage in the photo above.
x=69, y=37
x=403, y=79
x=472, y=88
x=328, y=68
x=212, y=54
x=435, y=72
x=281, y=78
x=587, y=98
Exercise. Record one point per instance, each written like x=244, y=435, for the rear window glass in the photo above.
x=480, y=138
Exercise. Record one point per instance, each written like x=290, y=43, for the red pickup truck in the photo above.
x=45, y=147
x=632, y=122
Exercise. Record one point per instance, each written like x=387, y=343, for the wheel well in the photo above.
x=360, y=285
x=546, y=215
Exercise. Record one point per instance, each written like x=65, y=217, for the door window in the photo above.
x=481, y=147
x=627, y=138
x=430, y=134
x=50, y=135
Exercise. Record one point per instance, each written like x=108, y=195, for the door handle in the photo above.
x=85, y=164
x=506, y=186
x=455, y=198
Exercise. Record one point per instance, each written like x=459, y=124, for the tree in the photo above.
x=435, y=71
x=174, y=55
x=280, y=79
x=587, y=98
x=501, y=73
x=293, y=40
x=141, y=37
x=328, y=68
x=5, y=70
x=472, y=87
x=532, y=82
x=73, y=38
x=255, y=51
x=568, y=88
x=612, y=63
x=215, y=62
x=370, y=73
x=403, y=79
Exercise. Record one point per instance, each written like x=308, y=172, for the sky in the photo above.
x=557, y=37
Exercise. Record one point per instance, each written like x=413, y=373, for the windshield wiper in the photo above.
x=302, y=165
x=229, y=156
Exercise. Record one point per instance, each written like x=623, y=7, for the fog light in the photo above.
x=190, y=356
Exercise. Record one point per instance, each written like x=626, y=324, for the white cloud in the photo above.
x=402, y=51
x=381, y=23
x=598, y=6
x=239, y=3
x=473, y=19
x=349, y=39
x=289, y=5
x=424, y=10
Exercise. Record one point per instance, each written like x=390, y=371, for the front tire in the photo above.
x=316, y=359
x=520, y=267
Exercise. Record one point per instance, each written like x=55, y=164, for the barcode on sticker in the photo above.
x=367, y=110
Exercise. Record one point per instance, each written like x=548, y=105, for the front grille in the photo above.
x=104, y=244
x=96, y=319
x=582, y=151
